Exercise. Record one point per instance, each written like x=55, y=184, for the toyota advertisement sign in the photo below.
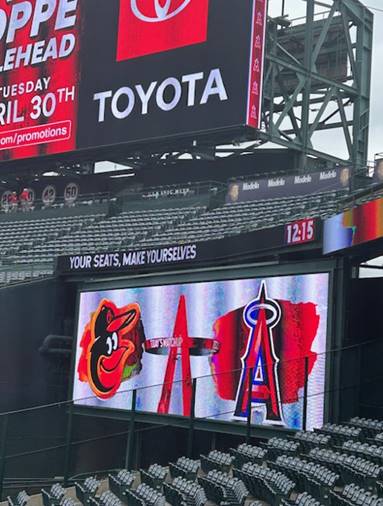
x=84, y=74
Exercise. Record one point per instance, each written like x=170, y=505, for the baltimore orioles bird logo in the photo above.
x=112, y=346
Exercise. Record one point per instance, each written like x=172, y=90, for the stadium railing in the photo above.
x=13, y=274
x=41, y=432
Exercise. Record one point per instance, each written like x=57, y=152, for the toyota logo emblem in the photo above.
x=163, y=12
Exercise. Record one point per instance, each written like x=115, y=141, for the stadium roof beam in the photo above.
x=325, y=62
x=309, y=151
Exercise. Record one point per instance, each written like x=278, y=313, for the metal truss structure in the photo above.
x=316, y=90
x=317, y=81
x=318, y=78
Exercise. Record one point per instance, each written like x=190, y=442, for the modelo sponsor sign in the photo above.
x=80, y=74
x=289, y=186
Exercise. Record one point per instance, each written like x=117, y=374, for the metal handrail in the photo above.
x=66, y=442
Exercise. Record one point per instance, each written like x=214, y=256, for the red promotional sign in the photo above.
x=38, y=78
x=93, y=74
x=153, y=27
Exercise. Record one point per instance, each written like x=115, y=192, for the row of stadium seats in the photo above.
x=152, y=227
x=34, y=241
x=232, y=219
x=19, y=235
x=313, y=471
x=108, y=233
x=19, y=276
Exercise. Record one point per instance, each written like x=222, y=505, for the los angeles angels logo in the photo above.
x=260, y=363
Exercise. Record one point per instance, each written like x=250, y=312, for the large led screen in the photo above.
x=247, y=341
x=354, y=226
x=84, y=74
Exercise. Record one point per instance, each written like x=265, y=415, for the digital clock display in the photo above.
x=300, y=232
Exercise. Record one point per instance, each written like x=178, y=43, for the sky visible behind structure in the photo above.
x=297, y=8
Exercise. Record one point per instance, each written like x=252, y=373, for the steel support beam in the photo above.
x=288, y=115
x=309, y=64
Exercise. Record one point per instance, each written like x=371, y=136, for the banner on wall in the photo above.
x=289, y=186
x=160, y=69
x=225, y=333
x=202, y=252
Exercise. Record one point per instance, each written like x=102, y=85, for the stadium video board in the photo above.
x=353, y=227
x=84, y=74
x=157, y=338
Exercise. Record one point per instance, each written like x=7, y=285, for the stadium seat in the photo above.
x=279, y=446
x=248, y=453
x=185, y=468
x=234, y=490
x=32, y=242
x=54, y=496
x=21, y=499
x=216, y=460
x=317, y=469
x=192, y=493
x=87, y=489
x=120, y=482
